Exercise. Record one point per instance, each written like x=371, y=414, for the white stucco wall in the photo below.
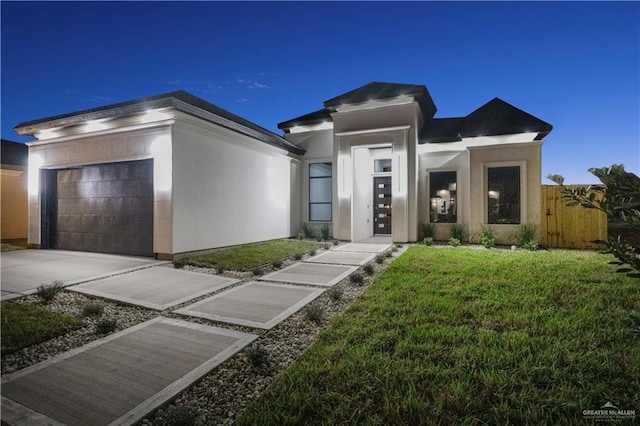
x=229, y=189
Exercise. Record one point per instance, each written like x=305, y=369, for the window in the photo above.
x=320, y=192
x=503, y=203
x=443, y=188
x=382, y=166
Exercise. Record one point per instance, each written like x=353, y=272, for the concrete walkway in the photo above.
x=23, y=271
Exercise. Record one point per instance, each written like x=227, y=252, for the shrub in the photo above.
x=454, y=242
x=427, y=230
x=220, y=268
x=306, y=230
x=318, y=235
x=312, y=252
x=427, y=241
x=336, y=242
x=314, y=313
x=398, y=245
x=380, y=259
x=106, y=325
x=388, y=253
x=301, y=236
x=179, y=263
x=487, y=237
x=48, y=292
x=526, y=236
x=92, y=310
x=324, y=231
x=356, y=278
x=258, y=356
x=257, y=271
x=459, y=232
x=183, y=415
x=297, y=256
x=277, y=264
x=368, y=269
x=335, y=293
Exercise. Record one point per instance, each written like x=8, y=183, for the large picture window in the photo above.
x=503, y=202
x=320, y=192
x=443, y=189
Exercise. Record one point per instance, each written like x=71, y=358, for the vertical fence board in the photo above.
x=569, y=227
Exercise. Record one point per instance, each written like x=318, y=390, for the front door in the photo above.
x=382, y=205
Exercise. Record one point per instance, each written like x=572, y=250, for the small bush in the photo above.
x=327, y=246
x=179, y=263
x=357, y=278
x=459, y=232
x=258, y=356
x=388, y=253
x=297, y=256
x=526, y=236
x=92, y=310
x=380, y=259
x=314, y=313
x=318, y=235
x=336, y=242
x=48, y=292
x=428, y=241
x=307, y=231
x=220, y=268
x=183, y=415
x=324, y=231
x=398, y=245
x=301, y=236
x=530, y=245
x=277, y=264
x=312, y=252
x=257, y=271
x=487, y=237
x=368, y=269
x=335, y=293
x=454, y=242
x=106, y=325
x=427, y=230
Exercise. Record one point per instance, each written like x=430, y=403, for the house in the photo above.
x=174, y=174
x=13, y=188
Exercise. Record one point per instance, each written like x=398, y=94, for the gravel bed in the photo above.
x=223, y=394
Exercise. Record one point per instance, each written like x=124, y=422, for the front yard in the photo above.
x=463, y=336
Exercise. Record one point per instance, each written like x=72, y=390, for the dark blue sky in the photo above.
x=575, y=65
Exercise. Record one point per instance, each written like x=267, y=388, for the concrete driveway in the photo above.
x=23, y=271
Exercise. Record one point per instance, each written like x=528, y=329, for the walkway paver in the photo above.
x=363, y=248
x=155, y=288
x=342, y=258
x=23, y=271
x=253, y=304
x=121, y=378
x=311, y=274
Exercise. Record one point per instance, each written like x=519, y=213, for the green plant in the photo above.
x=380, y=259
x=92, y=310
x=335, y=293
x=220, y=268
x=312, y=252
x=398, y=245
x=459, y=232
x=106, y=325
x=258, y=355
x=325, y=231
x=526, y=235
x=179, y=263
x=183, y=415
x=368, y=269
x=277, y=264
x=318, y=235
x=530, y=245
x=297, y=256
x=356, y=278
x=314, y=313
x=454, y=242
x=307, y=231
x=427, y=230
x=487, y=237
x=427, y=241
x=48, y=292
x=388, y=253
x=257, y=271
x=336, y=242
x=301, y=236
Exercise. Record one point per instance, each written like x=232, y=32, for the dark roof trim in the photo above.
x=316, y=117
x=179, y=100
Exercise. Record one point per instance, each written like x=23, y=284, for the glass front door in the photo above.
x=382, y=205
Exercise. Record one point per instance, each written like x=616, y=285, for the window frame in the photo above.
x=457, y=172
x=522, y=190
x=330, y=202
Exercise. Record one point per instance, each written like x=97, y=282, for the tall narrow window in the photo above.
x=503, y=203
x=443, y=190
x=320, y=192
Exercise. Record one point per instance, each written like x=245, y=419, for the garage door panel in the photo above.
x=106, y=208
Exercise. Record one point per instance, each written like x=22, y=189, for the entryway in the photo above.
x=382, y=205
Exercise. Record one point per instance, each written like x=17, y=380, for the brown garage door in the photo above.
x=106, y=208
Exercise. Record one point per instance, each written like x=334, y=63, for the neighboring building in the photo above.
x=173, y=174
x=13, y=187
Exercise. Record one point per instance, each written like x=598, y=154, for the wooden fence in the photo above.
x=569, y=227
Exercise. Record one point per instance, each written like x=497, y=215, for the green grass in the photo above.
x=252, y=255
x=27, y=324
x=463, y=336
x=9, y=247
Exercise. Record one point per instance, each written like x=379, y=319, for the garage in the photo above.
x=104, y=208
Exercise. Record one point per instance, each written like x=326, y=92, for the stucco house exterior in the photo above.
x=174, y=174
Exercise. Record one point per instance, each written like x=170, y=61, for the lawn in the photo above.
x=252, y=255
x=27, y=324
x=464, y=336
